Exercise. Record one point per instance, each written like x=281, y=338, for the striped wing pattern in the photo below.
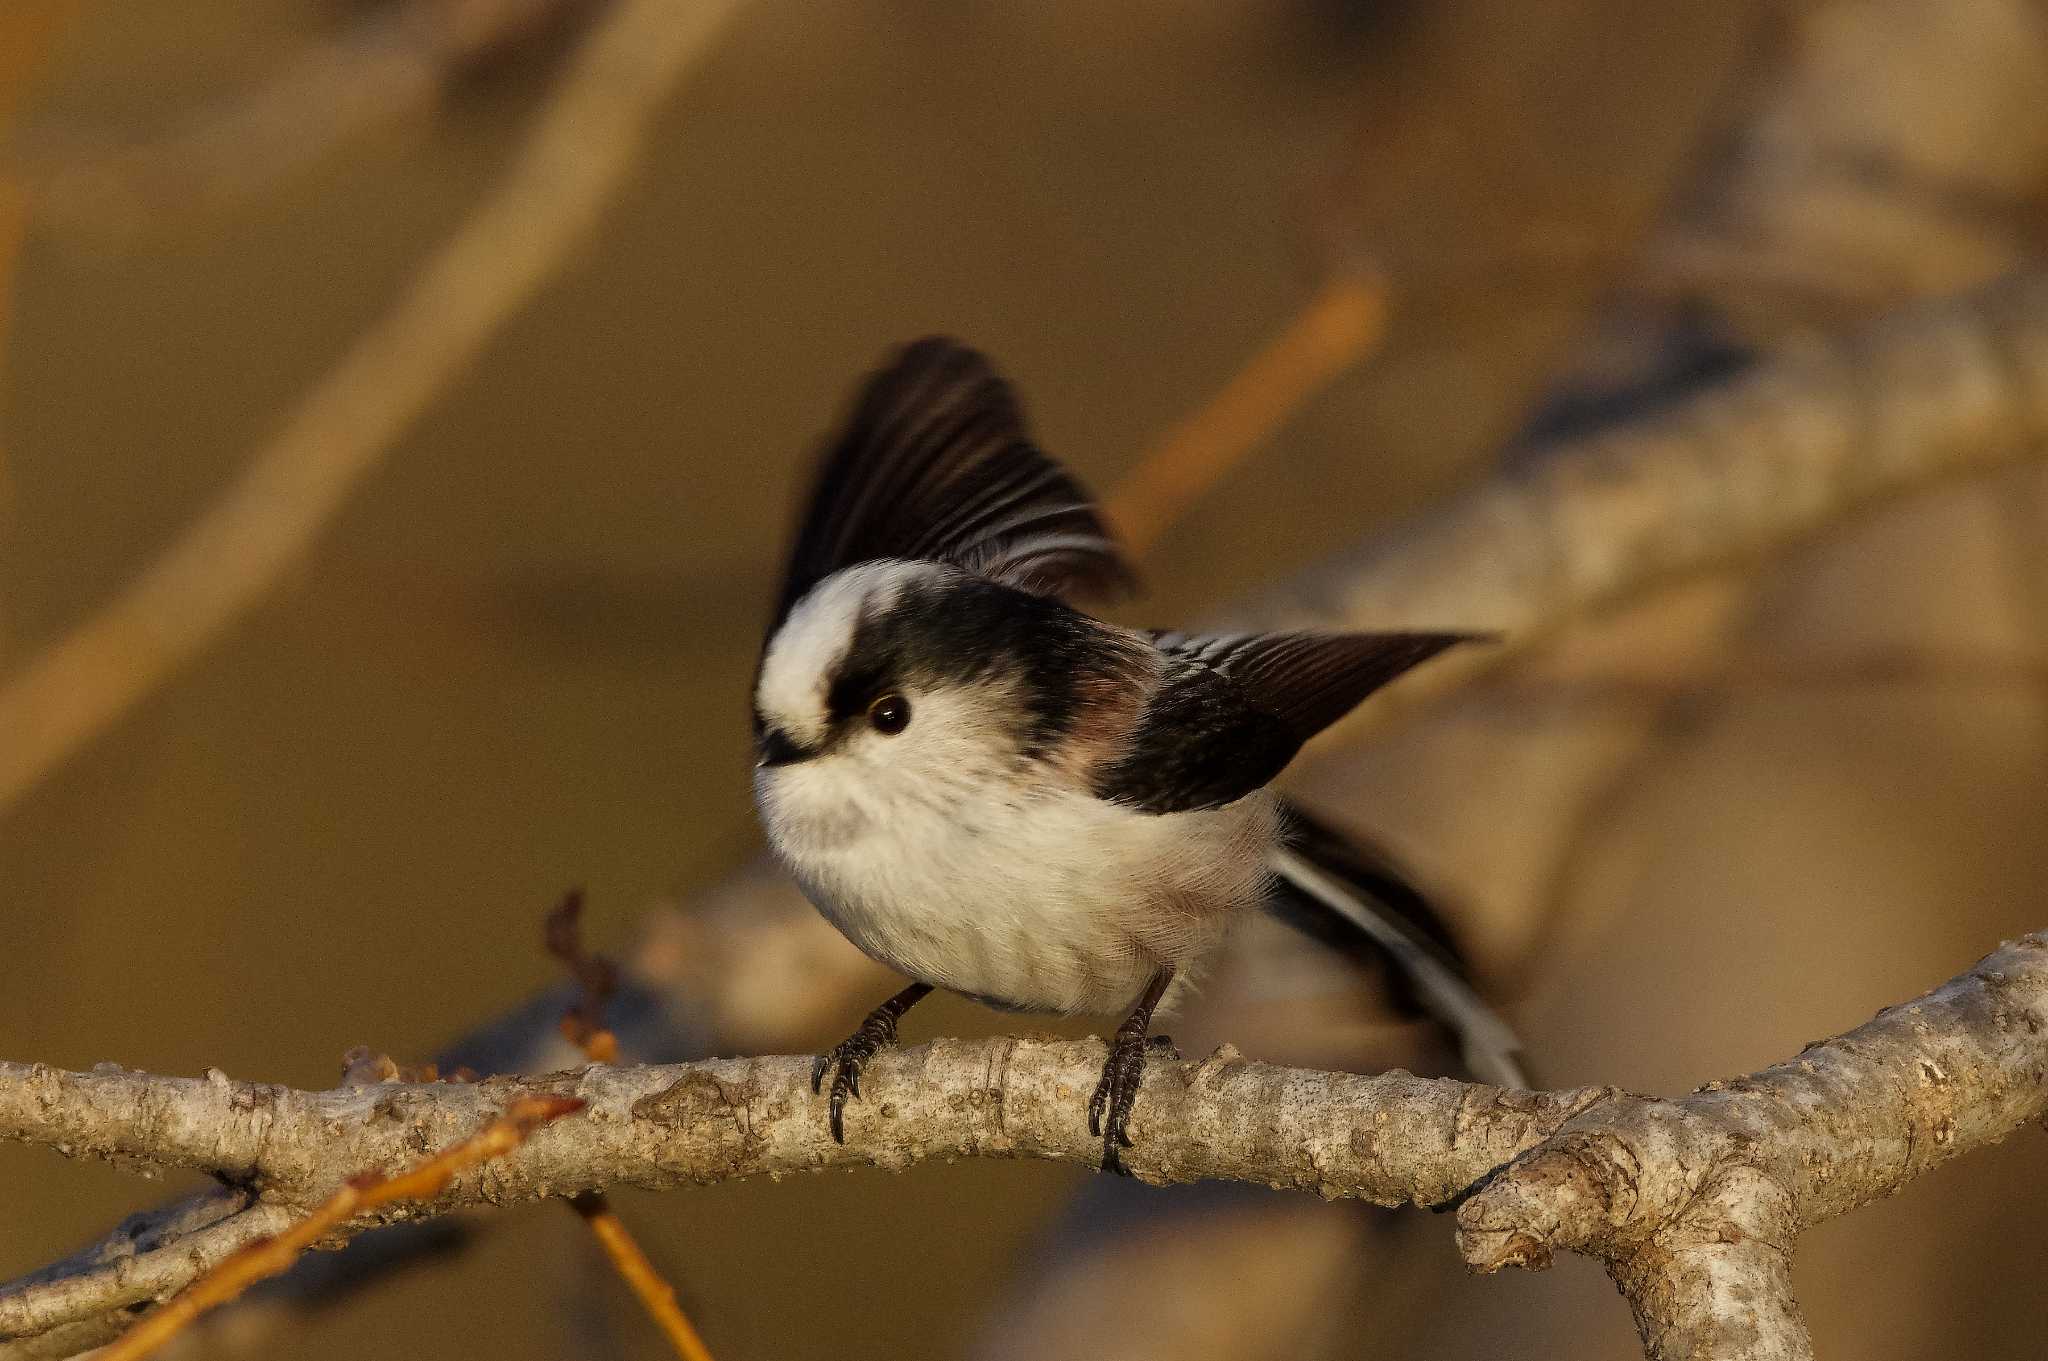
x=935, y=464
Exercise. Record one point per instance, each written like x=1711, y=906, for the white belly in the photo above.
x=1050, y=901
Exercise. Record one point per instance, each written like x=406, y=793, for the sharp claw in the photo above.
x=846, y=1059
x=1109, y=1108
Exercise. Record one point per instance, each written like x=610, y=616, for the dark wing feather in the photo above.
x=1233, y=709
x=1198, y=744
x=935, y=464
x=1310, y=680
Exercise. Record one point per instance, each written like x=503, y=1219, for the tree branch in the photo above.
x=1390, y=1139
x=1693, y=1203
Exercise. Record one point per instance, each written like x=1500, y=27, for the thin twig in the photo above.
x=582, y=149
x=655, y=1294
x=273, y=1256
x=597, y=978
x=584, y=1026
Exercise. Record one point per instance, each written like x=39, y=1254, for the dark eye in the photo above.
x=890, y=714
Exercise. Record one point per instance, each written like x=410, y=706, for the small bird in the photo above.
x=992, y=792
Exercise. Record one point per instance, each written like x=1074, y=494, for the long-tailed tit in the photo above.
x=991, y=792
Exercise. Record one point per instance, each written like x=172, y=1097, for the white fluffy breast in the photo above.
x=1034, y=898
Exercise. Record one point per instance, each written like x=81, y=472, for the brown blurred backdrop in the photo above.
x=517, y=661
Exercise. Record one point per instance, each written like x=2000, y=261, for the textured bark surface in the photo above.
x=1694, y=1203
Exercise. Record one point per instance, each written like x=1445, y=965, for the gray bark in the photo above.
x=1693, y=1203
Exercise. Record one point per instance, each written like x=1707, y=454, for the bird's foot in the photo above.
x=1109, y=1109
x=846, y=1059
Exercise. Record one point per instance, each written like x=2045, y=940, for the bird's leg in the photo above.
x=851, y=1054
x=1109, y=1110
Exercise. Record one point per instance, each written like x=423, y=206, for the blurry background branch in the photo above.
x=384, y=69
x=1694, y=1203
x=1742, y=468
x=581, y=150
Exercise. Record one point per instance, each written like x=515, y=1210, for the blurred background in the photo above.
x=1732, y=815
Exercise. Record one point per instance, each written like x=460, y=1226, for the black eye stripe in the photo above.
x=852, y=692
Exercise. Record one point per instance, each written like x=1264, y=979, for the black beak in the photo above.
x=774, y=748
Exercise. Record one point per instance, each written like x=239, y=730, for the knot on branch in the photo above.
x=1557, y=1195
x=1691, y=1225
x=1613, y=1181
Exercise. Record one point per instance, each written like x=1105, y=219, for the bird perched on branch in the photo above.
x=991, y=792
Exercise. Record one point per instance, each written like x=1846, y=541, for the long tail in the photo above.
x=1338, y=890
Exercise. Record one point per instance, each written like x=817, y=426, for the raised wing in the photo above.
x=935, y=464
x=1234, y=709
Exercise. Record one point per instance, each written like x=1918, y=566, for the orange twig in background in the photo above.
x=656, y=1294
x=273, y=1256
x=1336, y=329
